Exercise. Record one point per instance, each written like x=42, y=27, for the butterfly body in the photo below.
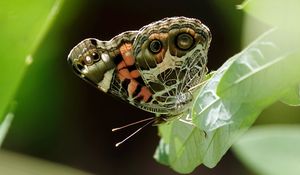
x=154, y=68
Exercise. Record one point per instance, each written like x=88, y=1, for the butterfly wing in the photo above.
x=97, y=62
x=110, y=67
x=171, y=56
x=153, y=69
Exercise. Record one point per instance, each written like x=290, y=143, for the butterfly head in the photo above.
x=91, y=63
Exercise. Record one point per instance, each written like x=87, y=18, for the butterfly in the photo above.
x=156, y=68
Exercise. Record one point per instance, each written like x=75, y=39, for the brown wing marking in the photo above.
x=127, y=71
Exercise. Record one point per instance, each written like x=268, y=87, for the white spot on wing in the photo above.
x=88, y=59
x=85, y=70
x=105, y=57
x=105, y=83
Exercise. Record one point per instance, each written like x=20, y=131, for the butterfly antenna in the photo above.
x=134, y=123
x=151, y=121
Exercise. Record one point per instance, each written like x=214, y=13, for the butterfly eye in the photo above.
x=95, y=56
x=88, y=60
x=155, y=46
x=184, y=41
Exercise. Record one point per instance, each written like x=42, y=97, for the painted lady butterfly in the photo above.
x=155, y=68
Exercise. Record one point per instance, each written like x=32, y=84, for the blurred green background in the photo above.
x=60, y=118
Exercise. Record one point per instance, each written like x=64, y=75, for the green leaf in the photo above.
x=259, y=76
x=281, y=13
x=262, y=73
x=162, y=153
x=271, y=150
x=13, y=163
x=247, y=83
x=264, y=14
x=292, y=97
x=181, y=146
x=23, y=25
x=184, y=147
x=4, y=126
x=220, y=118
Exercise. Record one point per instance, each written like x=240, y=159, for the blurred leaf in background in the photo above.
x=23, y=25
x=271, y=150
x=17, y=164
x=282, y=14
x=274, y=149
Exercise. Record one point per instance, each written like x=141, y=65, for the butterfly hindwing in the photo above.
x=171, y=55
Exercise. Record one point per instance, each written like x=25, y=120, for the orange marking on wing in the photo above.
x=132, y=86
x=135, y=74
x=121, y=65
x=121, y=77
x=160, y=56
x=187, y=30
x=125, y=73
x=159, y=36
x=145, y=93
x=126, y=52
